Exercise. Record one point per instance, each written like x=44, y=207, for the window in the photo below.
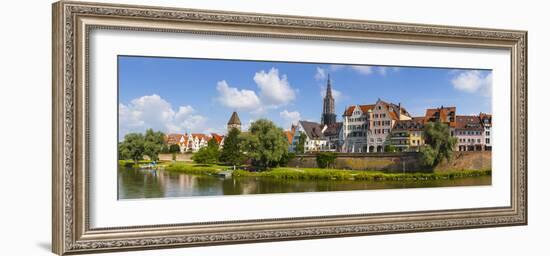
x=487, y=133
x=487, y=141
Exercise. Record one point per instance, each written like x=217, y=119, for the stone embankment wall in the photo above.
x=179, y=157
x=398, y=162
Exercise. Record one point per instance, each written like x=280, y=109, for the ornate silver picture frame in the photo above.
x=72, y=24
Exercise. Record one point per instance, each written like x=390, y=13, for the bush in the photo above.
x=287, y=157
x=174, y=148
x=325, y=159
x=390, y=149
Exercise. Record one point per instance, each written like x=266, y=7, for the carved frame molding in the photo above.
x=72, y=22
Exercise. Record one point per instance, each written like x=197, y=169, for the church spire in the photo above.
x=328, y=117
x=329, y=87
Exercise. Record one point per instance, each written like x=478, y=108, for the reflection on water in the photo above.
x=136, y=183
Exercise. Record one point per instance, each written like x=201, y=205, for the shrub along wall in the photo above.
x=398, y=162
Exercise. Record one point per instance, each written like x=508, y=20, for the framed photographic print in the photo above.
x=179, y=127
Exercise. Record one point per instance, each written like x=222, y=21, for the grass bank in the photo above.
x=324, y=174
x=192, y=168
x=333, y=174
x=130, y=163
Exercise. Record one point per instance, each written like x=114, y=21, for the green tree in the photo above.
x=153, y=143
x=439, y=144
x=231, y=152
x=174, y=148
x=132, y=147
x=209, y=154
x=325, y=159
x=265, y=143
x=300, y=145
x=390, y=148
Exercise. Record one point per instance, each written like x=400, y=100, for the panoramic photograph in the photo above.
x=211, y=127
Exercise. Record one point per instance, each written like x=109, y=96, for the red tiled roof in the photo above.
x=396, y=110
x=173, y=138
x=468, y=123
x=487, y=117
x=393, y=115
x=415, y=124
x=289, y=135
x=217, y=137
x=441, y=114
x=364, y=108
x=200, y=136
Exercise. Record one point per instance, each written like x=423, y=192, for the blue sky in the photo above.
x=198, y=95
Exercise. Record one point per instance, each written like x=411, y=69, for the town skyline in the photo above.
x=163, y=94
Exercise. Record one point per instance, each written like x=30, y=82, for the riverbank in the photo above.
x=324, y=174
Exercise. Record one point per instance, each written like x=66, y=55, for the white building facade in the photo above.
x=366, y=127
x=355, y=128
x=315, y=140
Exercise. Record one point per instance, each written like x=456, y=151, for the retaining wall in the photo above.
x=398, y=162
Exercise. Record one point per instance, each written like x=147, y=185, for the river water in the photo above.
x=140, y=183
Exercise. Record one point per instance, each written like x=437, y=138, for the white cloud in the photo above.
x=336, y=67
x=364, y=70
x=473, y=81
x=290, y=117
x=184, y=111
x=274, y=89
x=237, y=99
x=152, y=111
x=321, y=74
x=382, y=71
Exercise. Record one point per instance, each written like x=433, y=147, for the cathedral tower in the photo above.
x=328, y=117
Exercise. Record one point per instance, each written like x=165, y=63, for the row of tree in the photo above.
x=267, y=146
x=136, y=145
x=264, y=144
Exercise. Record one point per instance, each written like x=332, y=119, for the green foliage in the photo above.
x=439, y=144
x=287, y=156
x=265, y=143
x=209, y=154
x=390, y=148
x=174, y=148
x=165, y=149
x=331, y=174
x=231, y=152
x=132, y=147
x=194, y=168
x=153, y=142
x=325, y=159
x=135, y=145
x=324, y=174
x=300, y=145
